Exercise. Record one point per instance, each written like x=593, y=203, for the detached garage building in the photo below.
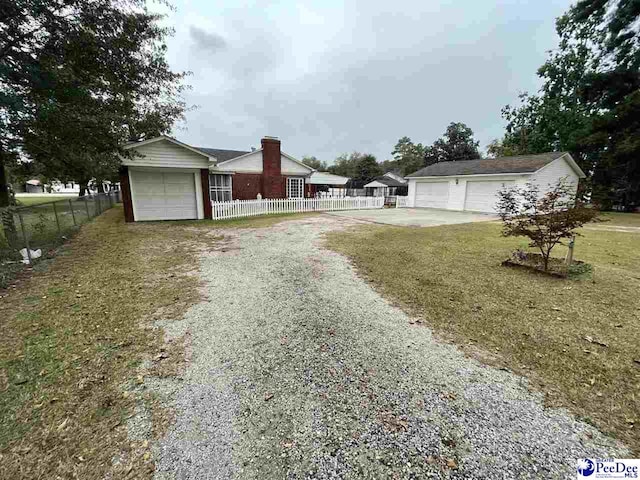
x=473, y=184
x=164, y=179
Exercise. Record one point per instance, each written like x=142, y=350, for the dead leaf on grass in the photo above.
x=268, y=396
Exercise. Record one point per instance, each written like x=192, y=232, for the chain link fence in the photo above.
x=28, y=234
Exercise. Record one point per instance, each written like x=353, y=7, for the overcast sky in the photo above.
x=330, y=77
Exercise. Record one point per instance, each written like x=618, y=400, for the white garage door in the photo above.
x=482, y=196
x=432, y=194
x=163, y=196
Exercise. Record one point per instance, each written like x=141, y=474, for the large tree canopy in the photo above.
x=408, y=156
x=457, y=143
x=78, y=79
x=589, y=103
x=361, y=168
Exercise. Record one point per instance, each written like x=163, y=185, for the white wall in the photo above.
x=167, y=154
x=458, y=192
x=250, y=163
x=548, y=176
x=289, y=167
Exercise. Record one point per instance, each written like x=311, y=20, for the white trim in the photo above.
x=449, y=177
x=286, y=155
x=237, y=158
x=133, y=200
x=572, y=163
x=311, y=170
x=169, y=139
x=230, y=184
x=199, y=199
x=288, y=189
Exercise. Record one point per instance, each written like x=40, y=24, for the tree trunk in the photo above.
x=84, y=188
x=4, y=186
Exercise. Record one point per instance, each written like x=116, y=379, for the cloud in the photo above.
x=207, y=41
x=329, y=77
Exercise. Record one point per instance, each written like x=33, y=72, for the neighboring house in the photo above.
x=325, y=183
x=33, y=186
x=473, y=184
x=387, y=185
x=64, y=187
x=170, y=180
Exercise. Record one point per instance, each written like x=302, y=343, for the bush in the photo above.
x=545, y=218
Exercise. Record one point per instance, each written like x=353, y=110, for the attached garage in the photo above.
x=432, y=194
x=481, y=196
x=163, y=195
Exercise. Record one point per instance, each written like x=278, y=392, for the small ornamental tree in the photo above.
x=545, y=218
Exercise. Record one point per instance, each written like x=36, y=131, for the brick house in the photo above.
x=166, y=179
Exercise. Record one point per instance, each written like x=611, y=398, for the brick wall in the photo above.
x=246, y=186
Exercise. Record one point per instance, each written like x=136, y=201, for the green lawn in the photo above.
x=576, y=340
x=622, y=219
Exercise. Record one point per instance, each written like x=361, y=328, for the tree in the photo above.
x=457, y=143
x=546, y=219
x=588, y=103
x=409, y=156
x=79, y=79
x=499, y=149
x=366, y=169
x=314, y=163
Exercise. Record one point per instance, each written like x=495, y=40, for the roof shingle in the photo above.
x=488, y=166
x=222, y=155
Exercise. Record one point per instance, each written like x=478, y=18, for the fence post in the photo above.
x=24, y=235
x=73, y=214
x=86, y=205
x=55, y=213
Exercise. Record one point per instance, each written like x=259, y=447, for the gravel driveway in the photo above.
x=298, y=369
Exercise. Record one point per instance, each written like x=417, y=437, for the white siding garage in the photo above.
x=160, y=195
x=481, y=196
x=432, y=194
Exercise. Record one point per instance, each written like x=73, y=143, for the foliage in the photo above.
x=360, y=167
x=314, y=163
x=589, y=103
x=408, y=156
x=546, y=219
x=79, y=79
x=457, y=143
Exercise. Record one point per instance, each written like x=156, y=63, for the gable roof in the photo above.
x=388, y=181
x=222, y=155
x=168, y=139
x=493, y=166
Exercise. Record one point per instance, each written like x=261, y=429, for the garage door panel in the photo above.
x=482, y=196
x=163, y=195
x=432, y=194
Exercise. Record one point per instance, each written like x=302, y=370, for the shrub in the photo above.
x=545, y=218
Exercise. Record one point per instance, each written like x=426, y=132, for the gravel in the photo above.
x=298, y=369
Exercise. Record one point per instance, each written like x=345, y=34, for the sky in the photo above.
x=330, y=77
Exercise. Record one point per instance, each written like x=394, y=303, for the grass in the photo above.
x=576, y=340
x=75, y=336
x=72, y=338
x=621, y=219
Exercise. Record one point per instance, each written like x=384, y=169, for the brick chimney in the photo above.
x=272, y=180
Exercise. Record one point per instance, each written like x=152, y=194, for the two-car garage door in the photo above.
x=481, y=196
x=432, y=194
x=163, y=195
x=478, y=196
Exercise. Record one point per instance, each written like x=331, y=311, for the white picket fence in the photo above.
x=402, y=202
x=249, y=208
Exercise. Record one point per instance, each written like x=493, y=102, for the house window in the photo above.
x=295, y=187
x=220, y=188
